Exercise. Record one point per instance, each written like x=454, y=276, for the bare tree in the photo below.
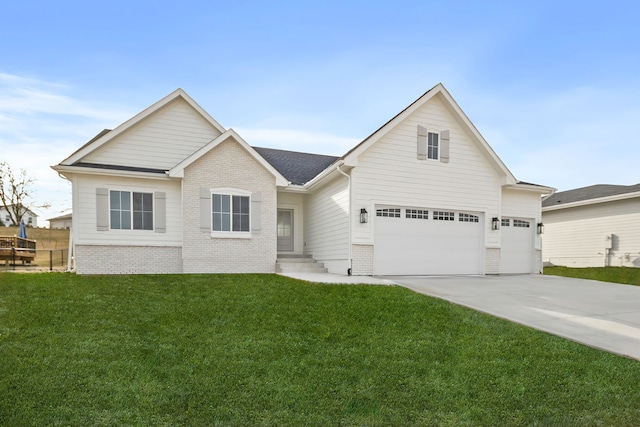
x=15, y=192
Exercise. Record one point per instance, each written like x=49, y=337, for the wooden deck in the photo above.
x=14, y=249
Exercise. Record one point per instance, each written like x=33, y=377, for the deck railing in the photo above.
x=14, y=248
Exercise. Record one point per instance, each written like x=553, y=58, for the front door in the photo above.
x=285, y=230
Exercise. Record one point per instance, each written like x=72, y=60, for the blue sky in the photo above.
x=553, y=86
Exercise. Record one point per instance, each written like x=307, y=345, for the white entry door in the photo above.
x=285, y=230
x=427, y=241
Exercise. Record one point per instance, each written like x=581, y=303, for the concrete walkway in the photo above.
x=598, y=314
x=338, y=278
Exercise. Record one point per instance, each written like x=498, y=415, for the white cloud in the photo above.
x=40, y=125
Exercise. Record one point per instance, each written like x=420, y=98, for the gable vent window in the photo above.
x=506, y=222
x=521, y=223
x=432, y=145
x=444, y=216
x=388, y=212
x=417, y=214
x=465, y=217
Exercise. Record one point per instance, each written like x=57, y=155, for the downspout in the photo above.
x=348, y=213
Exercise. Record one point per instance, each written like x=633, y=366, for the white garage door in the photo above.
x=516, y=253
x=412, y=241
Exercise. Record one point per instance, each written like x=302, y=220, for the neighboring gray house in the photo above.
x=593, y=226
x=172, y=191
x=61, y=222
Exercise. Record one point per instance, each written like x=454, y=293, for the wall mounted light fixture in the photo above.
x=364, y=216
x=540, y=228
x=495, y=223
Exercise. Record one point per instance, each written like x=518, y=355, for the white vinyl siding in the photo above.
x=389, y=173
x=326, y=222
x=84, y=211
x=575, y=237
x=160, y=142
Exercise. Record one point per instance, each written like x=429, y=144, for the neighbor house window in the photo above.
x=230, y=213
x=432, y=146
x=130, y=210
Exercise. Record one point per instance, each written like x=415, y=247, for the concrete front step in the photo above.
x=298, y=264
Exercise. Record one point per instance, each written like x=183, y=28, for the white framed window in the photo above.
x=230, y=212
x=432, y=145
x=506, y=222
x=417, y=213
x=444, y=215
x=388, y=212
x=521, y=223
x=465, y=217
x=130, y=210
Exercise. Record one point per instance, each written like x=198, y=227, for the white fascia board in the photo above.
x=178, y=170
x=68, y=171
x=83, y=151
x=592, y=201
x=320, y=178
x=543, y=190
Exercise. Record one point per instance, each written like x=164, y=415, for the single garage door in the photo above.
x=410, y=241
x=516, y=253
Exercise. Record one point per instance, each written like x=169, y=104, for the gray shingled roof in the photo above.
x=297, y=168
x=588, y=193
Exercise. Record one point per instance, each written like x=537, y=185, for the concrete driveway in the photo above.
x=598, y=314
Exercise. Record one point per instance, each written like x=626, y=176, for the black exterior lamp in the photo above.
x=495, y=223
x=540, y=228
x=364, y=216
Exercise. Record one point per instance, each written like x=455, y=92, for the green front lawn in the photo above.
x=267, y=350
x=625, y=275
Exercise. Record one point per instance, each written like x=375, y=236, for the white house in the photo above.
x=61, y=222
x=594, y=226
x=30, y=218
x=172, y=191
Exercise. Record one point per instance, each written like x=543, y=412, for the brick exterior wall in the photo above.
x=362, y=260
x=127, y=259
x=228, y=165
x=492, y=261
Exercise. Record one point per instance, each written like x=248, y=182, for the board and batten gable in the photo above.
x=229, y=165
x=389, y=172
x=576, y=236
x=326, y=225
x=160, y=141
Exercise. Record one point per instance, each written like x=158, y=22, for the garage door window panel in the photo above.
x=388, y=212
x=521, y=223
x=416, y=214
x=465, y=217
x=444, y=216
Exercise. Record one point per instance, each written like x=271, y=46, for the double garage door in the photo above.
x=411, y=241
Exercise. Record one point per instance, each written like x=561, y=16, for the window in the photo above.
x=443, y=216
x=432, y=146
x=465, y=217
x=388, y=212
x=506, y=222
x=130, y=210
x=30, y=221
x=230, y=213
x=417, y=213
x=521, y=223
